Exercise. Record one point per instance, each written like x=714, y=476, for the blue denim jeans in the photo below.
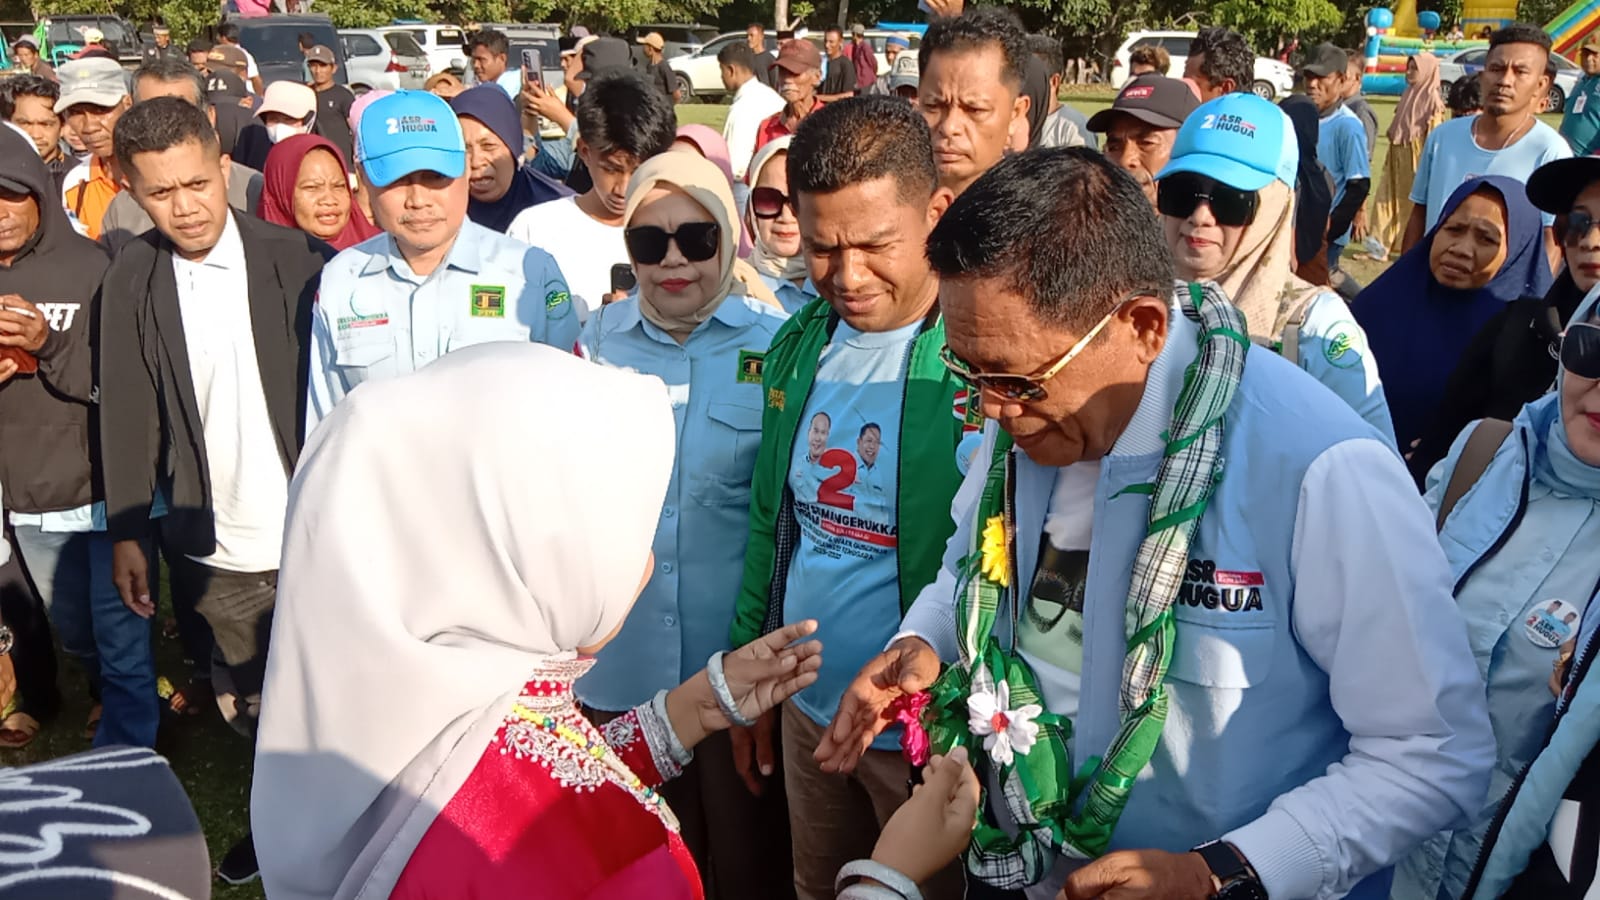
x=72, y=572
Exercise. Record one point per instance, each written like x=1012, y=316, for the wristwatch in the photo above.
x=1232, y=877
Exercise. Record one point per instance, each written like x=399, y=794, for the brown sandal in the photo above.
x=18, y=730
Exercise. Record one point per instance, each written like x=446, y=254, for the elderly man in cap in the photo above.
x=799, y=68
x=904, y=79
x=334, y=100
x=1141, y=124
x=435, y=281
x=94, y=95
x=25, y=55
x=863, y=59
x=656, y=68
x=893, y=47
x=163, y=48
x=1581, y=124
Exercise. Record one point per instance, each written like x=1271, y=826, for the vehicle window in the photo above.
x=361, y=45
x=1473, y=57
x=701, y=35
x=712, y=48
x=447, y=37
x=403, y=44
x=1176, y=46
x=420, y=36
x=114, y=32
x=549, y=53
x=280, y=43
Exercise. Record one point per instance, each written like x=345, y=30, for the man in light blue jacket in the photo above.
x=435, y=281
x=1203, y=635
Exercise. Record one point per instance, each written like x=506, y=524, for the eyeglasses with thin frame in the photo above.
x=1024, y=388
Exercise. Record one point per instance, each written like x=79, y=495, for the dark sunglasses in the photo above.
x=768, y=203
x=1578, y=225
x=697, y=241
x=1180, y=195
x=1580, y=350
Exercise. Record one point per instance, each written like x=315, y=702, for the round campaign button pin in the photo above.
x=1551, y=623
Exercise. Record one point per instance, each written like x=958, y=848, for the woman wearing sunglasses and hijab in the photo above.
x=490, y=782
x=1486, y=251
x=1512, y=359
x=775, y=229
x=1519, y=510
x=691, y=324
x=1227, y=203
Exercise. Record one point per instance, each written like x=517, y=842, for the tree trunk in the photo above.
x=781, y=14
x=844, y=14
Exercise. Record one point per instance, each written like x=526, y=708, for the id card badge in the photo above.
x=1580, y=102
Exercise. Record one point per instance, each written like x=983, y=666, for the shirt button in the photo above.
x=669, y=621
x=666, y=567
x=669, y=512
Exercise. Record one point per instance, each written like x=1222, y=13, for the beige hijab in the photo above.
x=762, y=257
x=1420, y=106
x=398, y=648
x=706, y=185
x=1260, y=279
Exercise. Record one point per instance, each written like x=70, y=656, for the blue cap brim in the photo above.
x=386, y=170
x=1230, y=172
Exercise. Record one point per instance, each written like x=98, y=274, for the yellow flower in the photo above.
x=996, y=563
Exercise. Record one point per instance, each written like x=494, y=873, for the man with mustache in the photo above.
x=1507, y=138
x=799, y=71
x=972, y=71
x=1141, y=125
x=94, y=95
x=436, y=281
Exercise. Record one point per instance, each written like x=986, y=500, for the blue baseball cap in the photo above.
x=898, y=40
x=1240, y=140
x=410, y=131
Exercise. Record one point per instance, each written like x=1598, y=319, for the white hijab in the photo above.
x=448, y=531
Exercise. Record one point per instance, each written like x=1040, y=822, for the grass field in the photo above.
x=213, y=761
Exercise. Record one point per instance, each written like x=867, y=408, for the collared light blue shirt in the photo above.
x=375, y=318
x=792, y=297
x=714, y=380
x=1342, y=148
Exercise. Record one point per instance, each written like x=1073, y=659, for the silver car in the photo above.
x=383, y=59
x=1470, y=62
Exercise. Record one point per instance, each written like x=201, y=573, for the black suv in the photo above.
x=274, y=41
x=65, y=35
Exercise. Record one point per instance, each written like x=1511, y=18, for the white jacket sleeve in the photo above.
x=1373, y=609
x=932, y=616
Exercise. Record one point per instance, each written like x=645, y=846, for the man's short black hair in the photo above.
x=738, y=55
x=980, y=27
x=870, y=426
x=1466, y=96
x=169, y=70
x=491, y=38
x=1065, y=228
x=863, y=139
x=834, y=29
x=228, y=31
x=1227, y=55
x=199, y=45
x=307, y=40
x=757, y=25
x=157, y=125
x=1048, y=49
x=26, y=86
x=1520, y=33
x=622, y=112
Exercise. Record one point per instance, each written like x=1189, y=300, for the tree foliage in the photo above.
x=1264, y=22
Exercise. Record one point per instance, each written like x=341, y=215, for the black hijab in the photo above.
x=1313, y=192
x=489, y=104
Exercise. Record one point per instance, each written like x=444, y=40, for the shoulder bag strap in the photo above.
x=1480, y=448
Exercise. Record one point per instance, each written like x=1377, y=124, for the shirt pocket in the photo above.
x=1221, y=649
x=731, y=441
x=365, y=359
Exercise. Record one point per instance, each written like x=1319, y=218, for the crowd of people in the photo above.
x=969, y=497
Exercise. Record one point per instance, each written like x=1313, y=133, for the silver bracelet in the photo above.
x=719, y=687
x=680, y=754
x=892, y=880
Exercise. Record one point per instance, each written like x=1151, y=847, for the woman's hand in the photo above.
x=760, y=675
x=932, y=828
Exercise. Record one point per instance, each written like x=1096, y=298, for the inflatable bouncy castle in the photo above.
x=1394, y=35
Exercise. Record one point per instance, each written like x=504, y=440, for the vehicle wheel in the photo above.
x=1262, y=89
x=1556, y=100
x=1444, y=91
x=685, y=89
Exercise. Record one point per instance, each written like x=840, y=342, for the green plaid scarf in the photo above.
x=1039, y=787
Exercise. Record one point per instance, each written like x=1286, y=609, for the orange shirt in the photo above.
x=89, y=199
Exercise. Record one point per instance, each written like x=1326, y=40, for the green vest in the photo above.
x=933, y=419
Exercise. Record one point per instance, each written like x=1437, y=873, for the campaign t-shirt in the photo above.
x=1452, y=155
x=1581, y=124
x=844, y=475
x=584, y=248
x=1342, y=148
x=1050, y=631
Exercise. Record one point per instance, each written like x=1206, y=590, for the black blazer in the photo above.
x=150, y=429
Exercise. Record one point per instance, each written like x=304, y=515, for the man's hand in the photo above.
x=8, y=368
x=908, y=666
x=129, y=571
x=1358, y=225
x=541, y=101
x=752, y=752
x=21, y=324
x=1141, y=875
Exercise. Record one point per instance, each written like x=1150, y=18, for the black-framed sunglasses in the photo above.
x=1578, y=225
x=768, y=202
x=697, y=241
x=1580, y=350
x=1180, y=195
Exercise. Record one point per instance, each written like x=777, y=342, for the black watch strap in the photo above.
x=1235, y=879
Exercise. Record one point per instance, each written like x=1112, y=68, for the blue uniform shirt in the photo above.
x=714, y=380
x=375, y=318
x=1342, y=148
